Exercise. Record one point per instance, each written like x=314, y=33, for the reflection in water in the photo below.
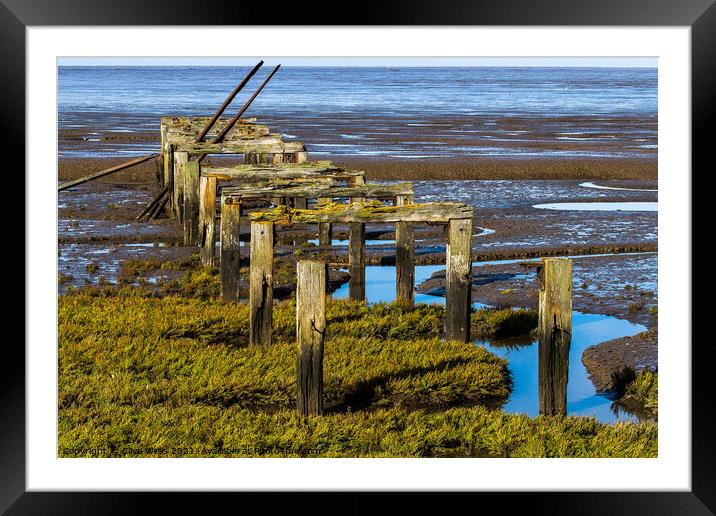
x=521, y=353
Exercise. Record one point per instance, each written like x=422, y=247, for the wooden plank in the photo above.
x=261, y=145
x=554, y=279
x=191, y=203
x=207, y=219
x=367, y=212
x=320, y=188
x=106, y=171
x=261, y=283
x=279, y=170
x=458, y=284
x=404, y=256
x=180, y=161
x=310, y=331
x=229, y=249
x=189, y=132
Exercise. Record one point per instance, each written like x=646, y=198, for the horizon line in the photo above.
x=367, y=62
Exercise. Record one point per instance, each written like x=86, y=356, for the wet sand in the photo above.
x=379, y=169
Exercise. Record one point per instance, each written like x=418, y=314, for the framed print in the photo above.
x=316, y=256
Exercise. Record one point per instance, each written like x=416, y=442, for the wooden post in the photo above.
x=300, y=203
x=169, y=176
x=404, y=256
x=261, y=283
x=255, y=158
x=325, y=232
x=356, y=261
x=207, y=219
x=229, y=248
x=191, y=203
x=356, y=252
x=180, y=161
x=310, y=331
x=163, y=147
x=554, y=279
x=457, y=276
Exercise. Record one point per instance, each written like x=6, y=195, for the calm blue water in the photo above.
x=387, y=112
x=587, y=330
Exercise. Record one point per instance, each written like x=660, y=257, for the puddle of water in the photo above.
x=582, y=398
x=600, y=187
x=587, y=330
x=599, y=206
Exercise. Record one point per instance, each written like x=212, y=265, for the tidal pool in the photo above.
x=587, y=330
x=599, y=206
x=589, y=184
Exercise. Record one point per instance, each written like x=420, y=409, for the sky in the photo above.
x=648, y=62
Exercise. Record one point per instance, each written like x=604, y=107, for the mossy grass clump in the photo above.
x=144, y=350
x=644, y=389
x=502, y=323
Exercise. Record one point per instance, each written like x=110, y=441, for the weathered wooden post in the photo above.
x=458, y=283
x=191, y=203
x=207, y=219
x=300, y=203
x=404, y=256
x=180, y=161
x=229, y=248
x=356, y=251
x=325, y=232
x=310, y=332
x=554, y=279
x=169, y=176
x=261, y=283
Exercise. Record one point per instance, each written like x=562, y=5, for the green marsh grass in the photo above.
x=142, y=373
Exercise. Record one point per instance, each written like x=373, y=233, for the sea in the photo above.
x=380, y=112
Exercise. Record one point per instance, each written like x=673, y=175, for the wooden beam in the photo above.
x=554, y=333
x=320, y=188
x=261, y=145
x=404, y=256
x=207, y=219
x=458, y=283
x=191, y=203
x=106, y=171
x=261, y=283
x=438, y=212
x=310, y=333
x=229, y=249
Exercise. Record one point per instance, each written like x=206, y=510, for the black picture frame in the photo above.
x=700, y=15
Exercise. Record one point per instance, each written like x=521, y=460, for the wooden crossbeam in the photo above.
x=283, y=171
x=366, y=212
x=318, y=189
x=261, y=145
